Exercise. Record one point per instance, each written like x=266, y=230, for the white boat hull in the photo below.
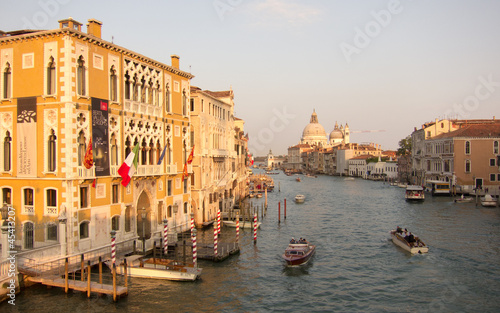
x=158, y=271
x=403, y=244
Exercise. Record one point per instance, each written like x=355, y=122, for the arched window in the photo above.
x=168, y=153
x=28, y=201
x=495, y=147
x=51, y=77
x=136, y=88
x=127, y=86
x=144, y=152
x=128, y=218
x=150, y=92
x=115, y=223
x=167, y=98
x=84, y=229
x=158, y=150
x=7, y=152
x=113, y=84
x=81, y=148
x=80, y=76
x=143, y=90
x=127, y=146
x=184, y=103
x=114, y=150
x=51, y=157
x=467, y=147
x=7, y=81
x=152, y=152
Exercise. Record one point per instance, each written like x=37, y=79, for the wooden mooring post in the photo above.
x=100, y=270
x=88, y=279
x=285, y=208
x=114, y=282
x=279, y=212
x=82, y=276
x=125, y=273
x=66, y=281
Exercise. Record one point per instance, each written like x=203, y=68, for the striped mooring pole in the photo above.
x=195, y=253
x=215, y=240
x=237, y=228
x=218, y=221
x=255, y=228
x=165, y=236
x=113, y=247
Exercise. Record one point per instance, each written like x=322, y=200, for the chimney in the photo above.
x=175, y=60
x=70, y=23
x=94, y=28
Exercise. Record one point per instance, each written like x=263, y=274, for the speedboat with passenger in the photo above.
x=408, y=241
x=298, y=252
x=300, y=198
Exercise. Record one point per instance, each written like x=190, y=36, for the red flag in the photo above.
x=190, y=158
x=88, y=160
x=185, y=172
x=93, y=183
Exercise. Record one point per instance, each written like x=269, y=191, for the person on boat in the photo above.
x=293, y=241
x=399, y=230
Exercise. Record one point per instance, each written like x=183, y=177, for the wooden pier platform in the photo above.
x=80, y=285
x=224, y=251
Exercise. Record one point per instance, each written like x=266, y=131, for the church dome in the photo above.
x=336, y=134
x=314, y=133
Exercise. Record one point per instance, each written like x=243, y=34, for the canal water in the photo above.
x=356, y=267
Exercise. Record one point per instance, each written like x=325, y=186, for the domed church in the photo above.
x=314, y=134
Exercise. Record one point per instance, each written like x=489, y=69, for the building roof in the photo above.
x=362, y=157
x=474, y=130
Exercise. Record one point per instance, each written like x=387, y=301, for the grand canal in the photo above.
x=356, y=267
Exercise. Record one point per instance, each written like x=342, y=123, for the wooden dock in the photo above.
x=80, y=285
x=224, y=251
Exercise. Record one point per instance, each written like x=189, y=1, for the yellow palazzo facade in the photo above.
x=58, y=90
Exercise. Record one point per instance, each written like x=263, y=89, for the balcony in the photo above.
x=28, y=210
x=142, y=108
x=148, y=170
x=171, y=169
x=86, y=173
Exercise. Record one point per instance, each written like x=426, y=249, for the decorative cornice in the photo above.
x=97, y=41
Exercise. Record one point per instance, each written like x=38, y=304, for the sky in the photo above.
x=383, y=67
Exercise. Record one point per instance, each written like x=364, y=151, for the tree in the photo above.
x=404, y=146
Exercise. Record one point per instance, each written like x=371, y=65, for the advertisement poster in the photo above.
x=100, y=141
x=26, y=139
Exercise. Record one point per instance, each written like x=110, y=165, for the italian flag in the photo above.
x=127, y=169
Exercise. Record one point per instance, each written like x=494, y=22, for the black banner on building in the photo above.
x=100, y=140
x=26, y=137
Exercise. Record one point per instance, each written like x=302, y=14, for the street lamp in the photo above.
x=143, y=216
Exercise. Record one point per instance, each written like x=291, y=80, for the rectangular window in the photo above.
x=192, y=104
x=169, y=188
x=52, y=232
x=115, y=223
x=467, y=166
x=84, y=194
x=128, y=217
x=185, y=185
x=159, y=219
x=492, y=162
x=84, y=230
x=492, y=177
x=6, y=195
x=28, y=207
x=114, y=193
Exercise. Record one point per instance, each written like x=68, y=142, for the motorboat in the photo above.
x=259, y=195
x=158, y=268
x=414, y=193
x=243, y=224
x=488, y=201
x=349, y=178
x=300, y=198
x=408, y=241
x=298, y=252
x=463, y=199
x=297, y=179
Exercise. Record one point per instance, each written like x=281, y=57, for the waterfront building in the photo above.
x=60, y=90
x=467, y=158
x=220, y=166
x=294, y=162
x=358, y=165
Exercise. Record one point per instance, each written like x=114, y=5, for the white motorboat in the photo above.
x=137, y=266
x=488, y=201
x=408, y=241
x=243, y=224
x=300, y=198
x=414, y=193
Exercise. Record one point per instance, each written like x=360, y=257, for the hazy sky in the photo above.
x=377, y=65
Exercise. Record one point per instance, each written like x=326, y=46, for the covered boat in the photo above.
x=243, y=224
x=298, y=252
x=488, y=201
x=158, y=268
x=408, y=241
x=300, y=198
x=414, y=193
